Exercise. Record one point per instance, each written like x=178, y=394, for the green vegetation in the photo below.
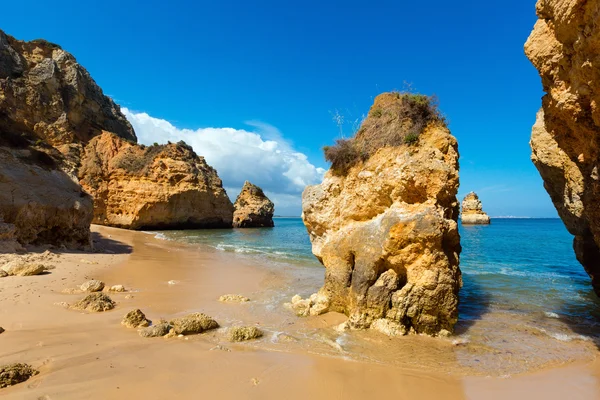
x=398, y=120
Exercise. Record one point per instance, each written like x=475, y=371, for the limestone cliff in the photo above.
x=386, y=229
x=39, y=202
x=252, y=209
x=472, y=211
x=565, y=140
x=43, y=90
x=154, y=187
x=58, y=126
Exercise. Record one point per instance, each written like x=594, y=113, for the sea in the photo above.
x=526, y=303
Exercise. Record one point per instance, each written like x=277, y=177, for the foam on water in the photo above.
x=525, y=302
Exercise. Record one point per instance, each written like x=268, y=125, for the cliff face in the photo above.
x=252, y=208
x=56, y=127
x=565, y=140
x=386, y=232
x=43, y=90
x=472, y=211
x=165, y=186
x=39, y=202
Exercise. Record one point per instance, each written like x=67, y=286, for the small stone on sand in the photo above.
x=95, y=302
x=15, y=373
x=135, y=319
x=233, y=298
x=193, y=323
x=92, y=286
x=243, y=333
x=160, y=329
x=117, y=288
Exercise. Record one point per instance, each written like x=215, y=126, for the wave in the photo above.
x=565, y=337
x=157, y=235
x=511, y=272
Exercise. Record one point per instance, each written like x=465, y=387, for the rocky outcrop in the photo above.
x=39, y=202
x=47, y=99
x=57, y=128
x=386, y=230
x=154, y=187
x=565, y=140
x=472, y=211
x=15, y=373
x=252, y=209
x=45, y=91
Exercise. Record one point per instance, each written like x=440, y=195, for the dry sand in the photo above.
x=92, y=356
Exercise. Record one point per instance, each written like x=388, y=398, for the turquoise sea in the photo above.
x=525, y=299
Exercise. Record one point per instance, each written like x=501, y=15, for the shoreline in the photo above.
x=92, y=356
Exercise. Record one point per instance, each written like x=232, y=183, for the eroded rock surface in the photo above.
x=387, y=232
x=565, y=139
x=95, y=302
x=47, y=100
x=93, y=285
x=158, y=330
x=135, y=319
x=57, y=128
x=243, y=333
x=233, y=298
x=253, y=209
x=163, y=186
x=472, y=211
x=15, y=373
x=193, y=323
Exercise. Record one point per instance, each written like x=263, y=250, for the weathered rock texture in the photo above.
x=164, y=186
x=15, y=373
x=472, y=211
x=565, y=140
x=252, y=208
x=387, y=233
x=56, y=128
x=47, y=99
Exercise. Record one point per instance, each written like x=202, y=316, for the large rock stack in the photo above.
x=565, y=141
x=386, y=227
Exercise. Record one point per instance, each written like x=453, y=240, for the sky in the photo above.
x=253, y=86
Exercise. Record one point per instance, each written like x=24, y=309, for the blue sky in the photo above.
x=286, y=66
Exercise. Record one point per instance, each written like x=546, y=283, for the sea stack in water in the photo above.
x=472, y=211
x=57, y=127
x=384, y=221
x=565, y=140
x=252, y=208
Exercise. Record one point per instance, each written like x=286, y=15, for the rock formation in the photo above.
x=472, y=211
x=252, y=208
x=386, y=230
x=164, y=186
x=565, y=140
x=56, y=126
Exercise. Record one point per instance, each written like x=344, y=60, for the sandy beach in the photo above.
x=81, y=355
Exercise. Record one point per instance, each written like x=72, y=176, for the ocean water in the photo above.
x=526, y=302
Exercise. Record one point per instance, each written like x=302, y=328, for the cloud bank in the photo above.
x=260, y=155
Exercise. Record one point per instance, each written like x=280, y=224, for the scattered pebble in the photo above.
x=129, y=296
x=2, y=330
x=255, y=381
x=172, y=282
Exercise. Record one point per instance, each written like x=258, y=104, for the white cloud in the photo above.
x=261, y=156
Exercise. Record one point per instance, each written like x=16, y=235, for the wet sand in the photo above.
x=82, y=355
